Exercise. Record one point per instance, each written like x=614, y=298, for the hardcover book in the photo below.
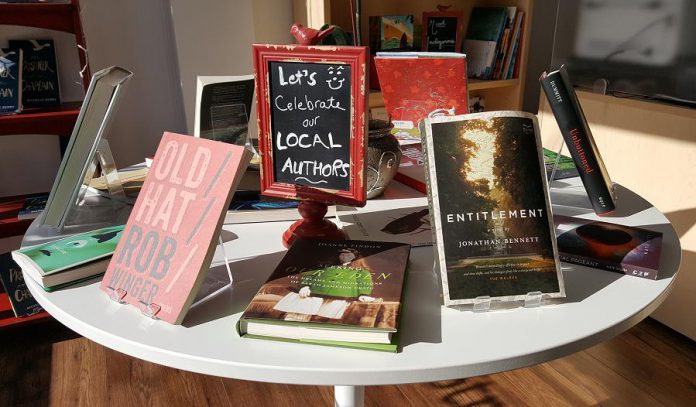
x=40, y=73
x=23, y=303
x=171, y=234
x=578, y=137
x=69, y=260
x=347, y=294
x=10, y=80
x=623, y=249
x=490, y=207
x=414, y=84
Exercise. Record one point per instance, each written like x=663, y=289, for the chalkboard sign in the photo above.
x=312, y=122
x=442, y=31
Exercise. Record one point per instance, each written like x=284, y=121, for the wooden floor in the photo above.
x=46, y=364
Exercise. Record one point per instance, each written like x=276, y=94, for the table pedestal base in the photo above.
x=349, y=396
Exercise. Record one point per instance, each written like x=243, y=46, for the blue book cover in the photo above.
x=40, y=86
x=23, y=304
x=10, y=79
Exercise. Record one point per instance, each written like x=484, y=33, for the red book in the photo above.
x=415, y=84
x=172, y=232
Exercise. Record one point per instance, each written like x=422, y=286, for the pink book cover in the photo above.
x=171, y=234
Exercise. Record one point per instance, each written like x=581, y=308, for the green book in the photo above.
x=346, y=294
x=566, y=165
x=71, y=259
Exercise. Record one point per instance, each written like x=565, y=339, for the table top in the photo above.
x=438, y=343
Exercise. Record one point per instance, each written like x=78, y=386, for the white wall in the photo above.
x=136, y=35
x=214, y=37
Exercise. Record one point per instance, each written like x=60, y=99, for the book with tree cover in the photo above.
x=346, y=293
x=490, y=207
x=172, y=232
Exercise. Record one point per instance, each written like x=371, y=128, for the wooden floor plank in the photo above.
x=649, y=365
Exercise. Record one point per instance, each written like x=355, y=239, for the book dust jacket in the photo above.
x=490, y=207
x=342, y=283
x=171, y=234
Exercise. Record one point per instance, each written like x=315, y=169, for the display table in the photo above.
x=438, y=343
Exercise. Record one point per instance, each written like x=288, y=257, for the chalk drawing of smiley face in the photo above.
x=337, y=79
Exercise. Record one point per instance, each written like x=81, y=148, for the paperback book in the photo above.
x=69, y=260
x=40, y=73
x=10, y=80
x=490, y=207
x=622, y=249
x=578, y=137
x=171, y=234
x=347, y=294
x=23, y=303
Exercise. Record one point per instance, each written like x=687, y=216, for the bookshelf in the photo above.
x=58, y=120
x=498, y=94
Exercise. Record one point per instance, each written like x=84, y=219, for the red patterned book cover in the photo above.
x=415, y=84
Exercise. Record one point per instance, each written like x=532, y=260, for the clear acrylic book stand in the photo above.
x=216, y=282
x=93, y=209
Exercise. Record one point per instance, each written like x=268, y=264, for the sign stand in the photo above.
x=313, y=224
x=312, y=121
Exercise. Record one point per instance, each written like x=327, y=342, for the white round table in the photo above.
x=438, y=343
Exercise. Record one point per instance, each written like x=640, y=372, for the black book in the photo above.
x=576, y=132
x=10, y=80
x=40, y=73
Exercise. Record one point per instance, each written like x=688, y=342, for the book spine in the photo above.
x=578, y=138
x=628, y=269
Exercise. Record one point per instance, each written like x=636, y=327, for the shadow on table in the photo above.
x=249, y=274
x=421, y=319
x=573, y=201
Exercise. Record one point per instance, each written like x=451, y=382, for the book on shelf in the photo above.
x=492, y=41
x=22, y=302
x=32, y=207
x=490, y=207
x=39, y=73
x=10, y=80
x=483, y=38
x=347, y=294
x=576, y=132
x=391, y=33
x=171, y=234
x=416, y=84
x=622, y=249
x=69, y=260
x=223, y=107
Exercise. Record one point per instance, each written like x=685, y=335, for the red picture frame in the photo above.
x=356, y=58
x=427, y=15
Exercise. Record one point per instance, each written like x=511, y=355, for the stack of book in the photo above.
x=69, y=260
x=492, y=42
